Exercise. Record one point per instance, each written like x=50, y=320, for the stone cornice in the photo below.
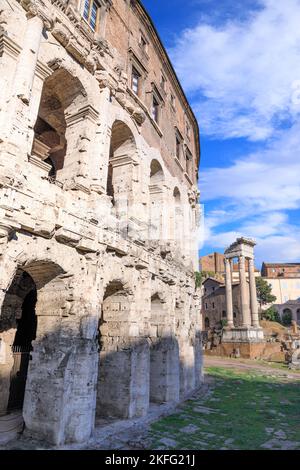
x=38, y=8
x=42, y=71
x=8, y=46
x=86, y=112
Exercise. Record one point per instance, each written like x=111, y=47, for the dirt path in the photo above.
x=245, y=364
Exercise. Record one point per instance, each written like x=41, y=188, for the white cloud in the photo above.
x=264, y=181
x=277, y=239
x=244, y=77
x=247, y=72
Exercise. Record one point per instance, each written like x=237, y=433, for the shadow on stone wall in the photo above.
x=73, y=380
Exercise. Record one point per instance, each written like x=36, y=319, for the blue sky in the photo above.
x=239, y=63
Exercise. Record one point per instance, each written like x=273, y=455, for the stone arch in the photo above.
x=59, y=130
x=178, y=215
x=32, y=296
x=122, y=389
x=164, y=354
x=185, y=337
x=177, y=196
x=287, y=315
x=121, y=168
x=156, y=196
x=157, y=176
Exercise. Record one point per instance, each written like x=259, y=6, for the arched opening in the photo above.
x=183, y=316
x=156, y=225
x=122, y=389
x=54, y=136
x=18, y=326
x=287, y=317
x=164, y=356
x=178, y=216
x=29, y=322
x=206, y=323
x=298, y=316
x=121, y=168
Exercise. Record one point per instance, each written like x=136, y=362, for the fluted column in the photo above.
x=229, y=305
x=243, y=293
x=253, y=295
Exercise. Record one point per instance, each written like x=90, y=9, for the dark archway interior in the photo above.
x=27, y=324
x=22, y=345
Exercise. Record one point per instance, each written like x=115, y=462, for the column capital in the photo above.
x=35, y=8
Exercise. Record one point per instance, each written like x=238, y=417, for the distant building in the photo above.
x=292, y=308
x=214, y=303
x=214, y=264
x=282, y=270
x=285, y=289
x=284, y=279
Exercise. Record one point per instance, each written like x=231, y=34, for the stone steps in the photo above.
x=10, y=425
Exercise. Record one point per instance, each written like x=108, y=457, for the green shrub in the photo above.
x=271, y=314
x=287, y=319
x=223, y=322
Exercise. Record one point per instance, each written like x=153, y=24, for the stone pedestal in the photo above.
x=243, y=334
x=245, y=342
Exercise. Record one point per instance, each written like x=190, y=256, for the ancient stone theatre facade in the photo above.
x=99, y=214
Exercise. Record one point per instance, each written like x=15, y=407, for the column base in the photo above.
x=243, y=334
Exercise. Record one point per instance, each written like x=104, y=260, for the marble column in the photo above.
x=228, y=282
x=28, y=58
x=243, y=293
x=253, y=295
x=18, y=120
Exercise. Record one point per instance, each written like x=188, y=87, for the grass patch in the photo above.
x=244, y=410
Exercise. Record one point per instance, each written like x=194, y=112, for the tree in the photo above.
x=287, y=318
x=271, y=314
x=264, y=292
x=200, y=276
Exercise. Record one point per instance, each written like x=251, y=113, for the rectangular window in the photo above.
x=91, y=13
x=172, y=101
x=188, y=130
x=178, y=148
x=155, y=109
x=143, y=44
x=189, y=163
x=135, y=81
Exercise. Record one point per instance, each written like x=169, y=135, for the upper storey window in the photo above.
x=173, y=101
x=156, y=104
x=188, y=130
x=163, y=83
x=135, y=80
x=91, y=11
x=178, y=144
x=143, y=44
x=155, y=109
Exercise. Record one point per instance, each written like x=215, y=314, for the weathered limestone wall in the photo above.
x=117, y=313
